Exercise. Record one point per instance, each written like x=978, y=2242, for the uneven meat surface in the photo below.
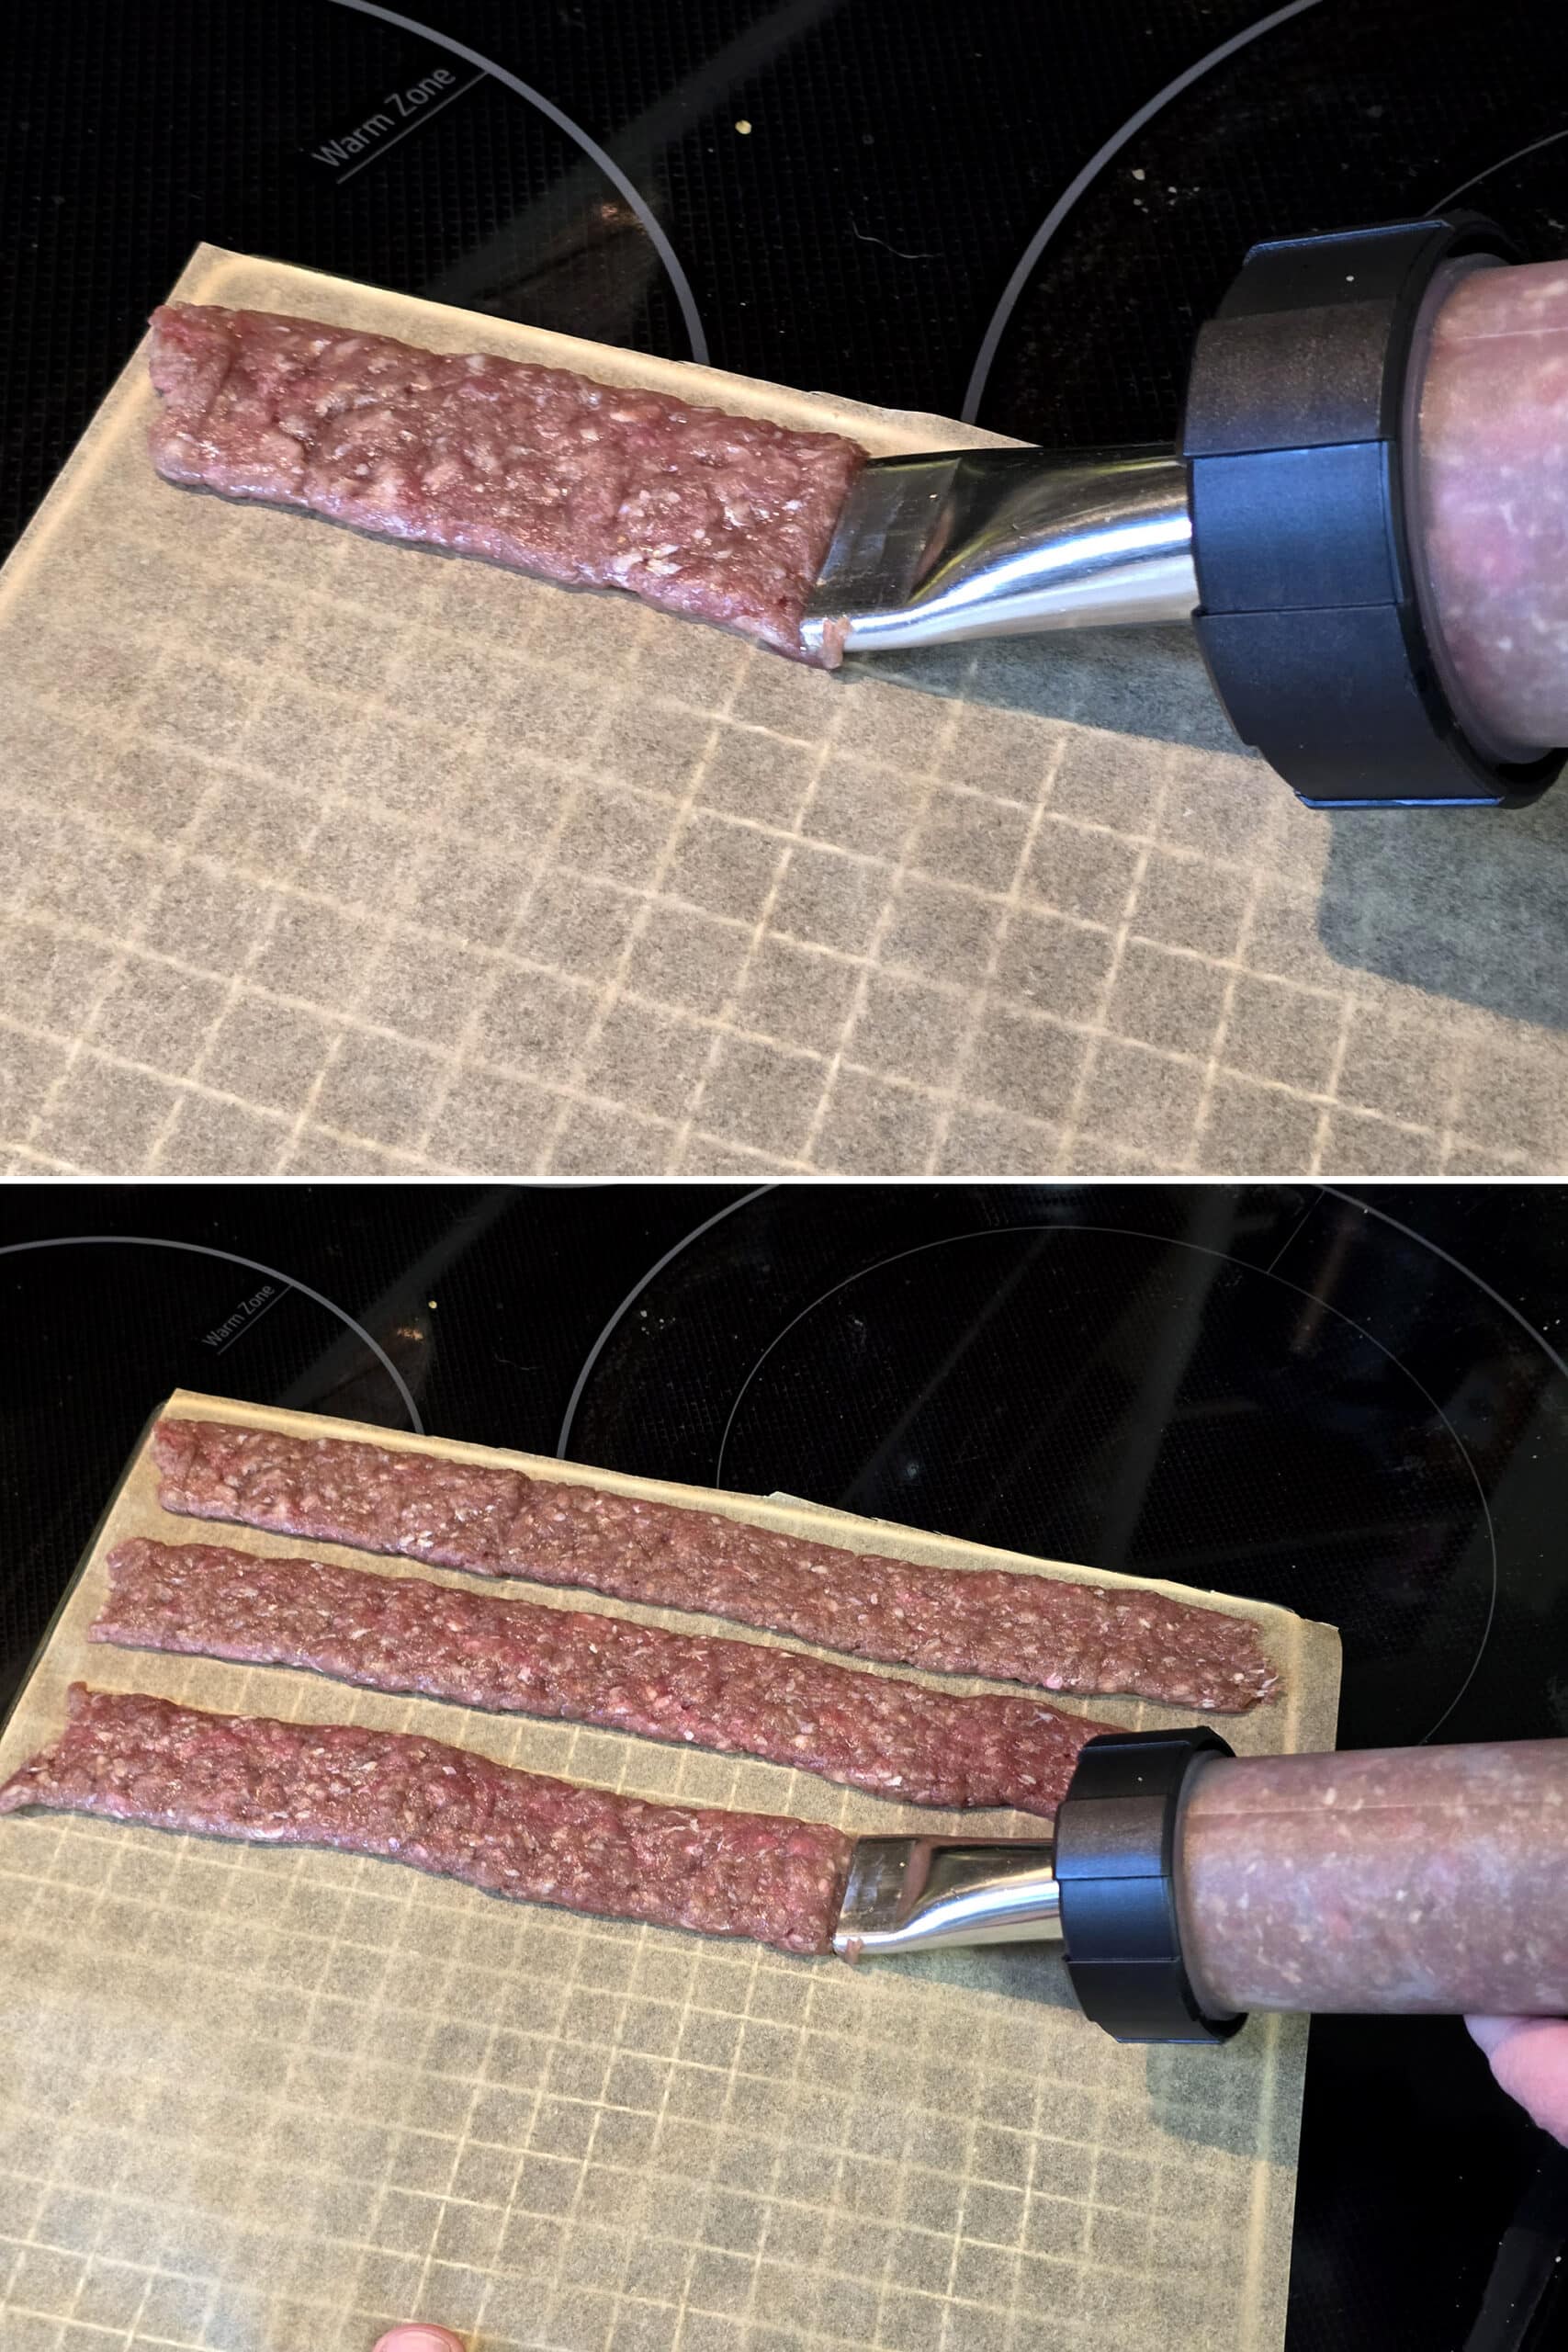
x=492, y=1521
x=1494, y=472
x=130, y=1757
x=726, y=518
x=515, y=1656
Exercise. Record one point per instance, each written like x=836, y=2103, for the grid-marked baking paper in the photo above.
x=328, y=855
x=255, y=2101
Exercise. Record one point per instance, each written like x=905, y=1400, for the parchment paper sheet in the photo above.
x=258, y=2102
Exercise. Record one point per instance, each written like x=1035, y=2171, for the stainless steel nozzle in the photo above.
x=1004, y=542
x=919, y=1894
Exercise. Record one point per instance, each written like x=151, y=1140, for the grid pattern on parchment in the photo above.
x=256, y=2101
x=331, y=856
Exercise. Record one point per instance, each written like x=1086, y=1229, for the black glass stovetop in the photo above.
x=1018, y=210
x=1355, y=1406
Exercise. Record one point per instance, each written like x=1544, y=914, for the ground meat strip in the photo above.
x=497, y=1521
x=443, y=1810
x=515, y=1657
x=727, y=518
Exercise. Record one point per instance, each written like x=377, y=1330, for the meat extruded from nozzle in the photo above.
x=442, y=1809
x=493, y=1520
x=723, y=518
x=896, y=1739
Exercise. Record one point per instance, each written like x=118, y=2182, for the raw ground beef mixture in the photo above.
x=894, y=1739
x=726, y=518
x=1493, y=482
x=130, y=1757
x=1411, y=1880
x=492, y=1521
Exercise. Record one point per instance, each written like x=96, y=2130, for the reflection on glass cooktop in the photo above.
x=1356, y=1407
x=1162, y=1402
x=1015, y=213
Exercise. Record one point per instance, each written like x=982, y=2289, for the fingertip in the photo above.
x=1529, y=2058
x=418, y=2338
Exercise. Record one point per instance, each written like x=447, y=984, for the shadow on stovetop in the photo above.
x=1468, y=904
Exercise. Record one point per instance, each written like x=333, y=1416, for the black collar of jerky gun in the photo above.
x=1293, y=437
x=1115, y=1845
